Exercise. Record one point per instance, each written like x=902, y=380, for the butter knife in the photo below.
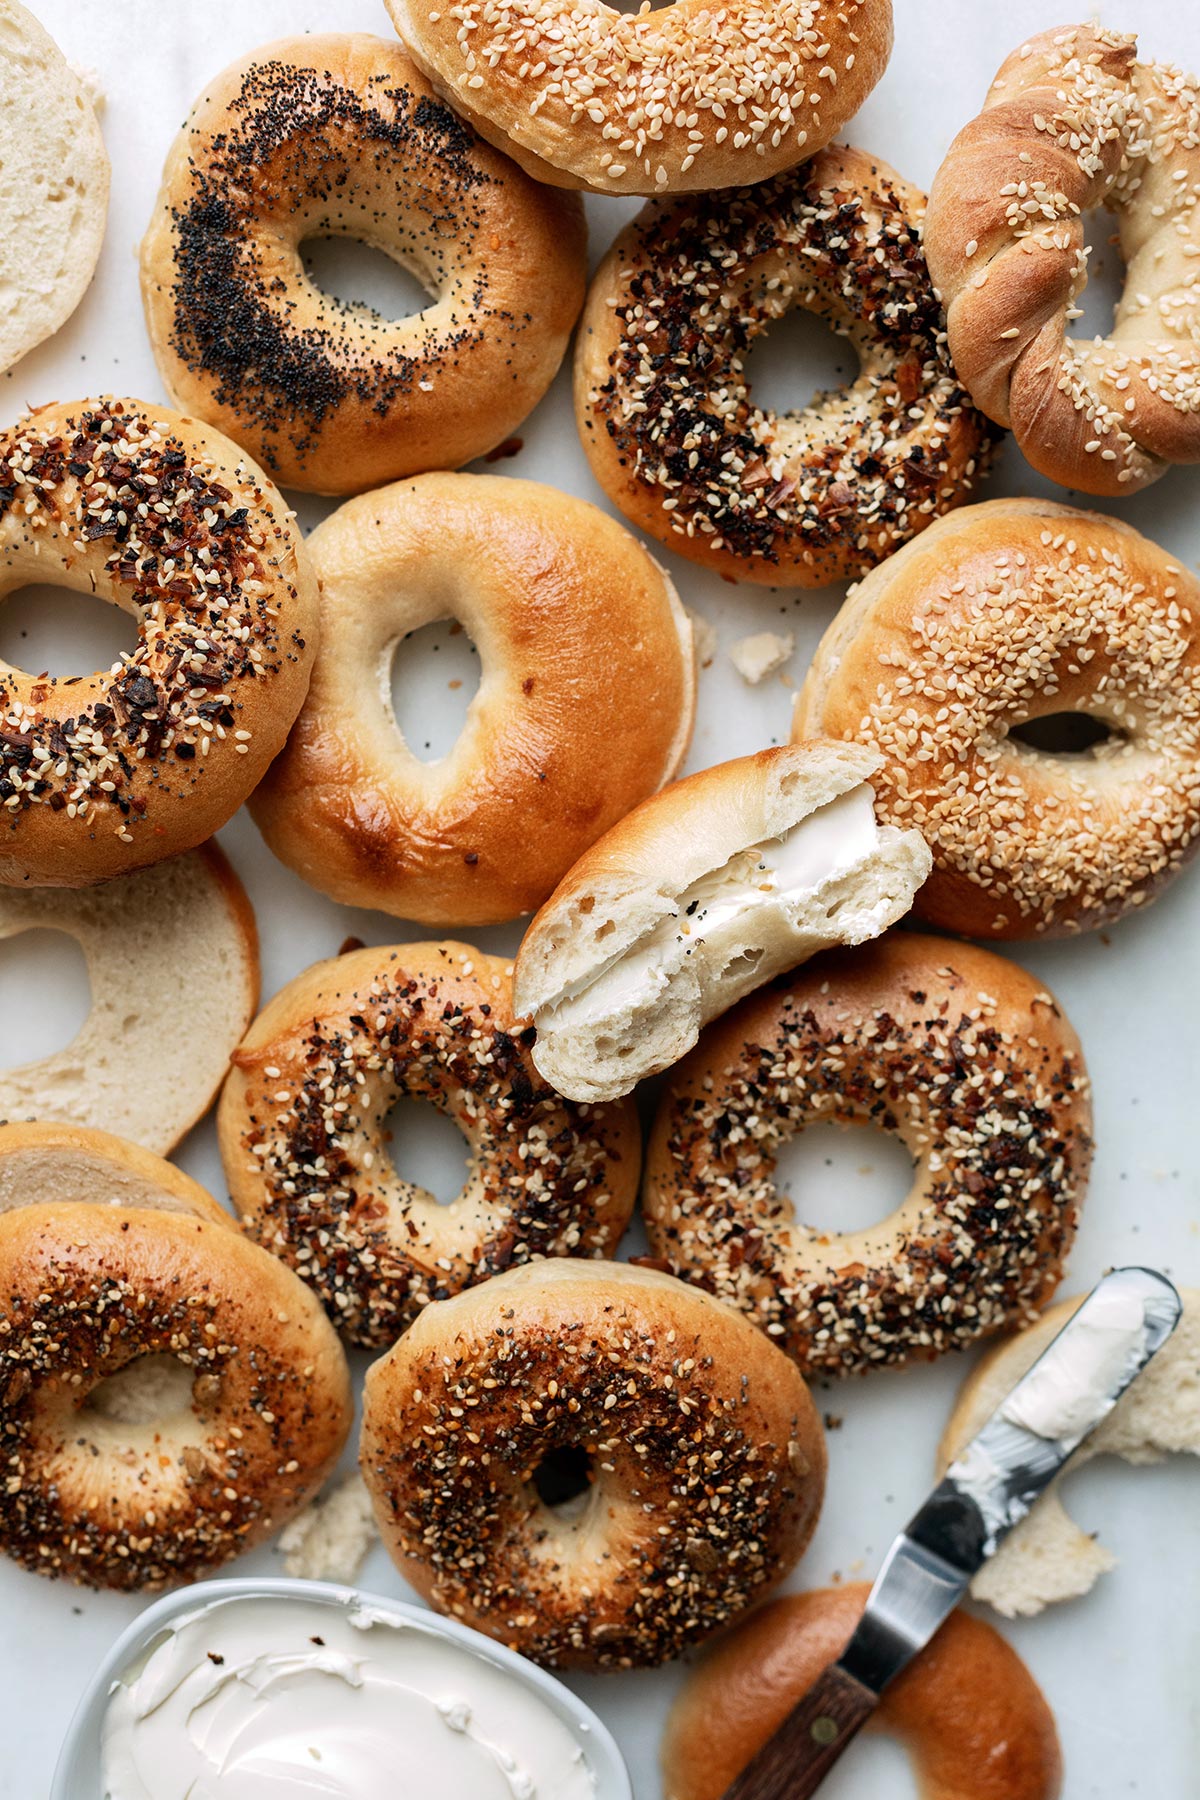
x=1073, y=1386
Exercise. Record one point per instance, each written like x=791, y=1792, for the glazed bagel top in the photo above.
x=670, y=423
x=106, y=773
x=1073, y=121
x=998, y=616
x=339, y=135
x=585, y=702
x=688, y=96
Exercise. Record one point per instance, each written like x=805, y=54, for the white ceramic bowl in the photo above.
x=77, y=1776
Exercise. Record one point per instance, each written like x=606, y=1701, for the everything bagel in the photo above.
x=169, y=520
x=961, y=1054
x=670, y=424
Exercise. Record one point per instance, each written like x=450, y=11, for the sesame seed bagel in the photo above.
x=339, y=136
x=685, y=97
x=969, y=1061
x=171, y=944
x=1073, y=122
x=973, y=1720
x=1009, y=613
x=705, y=1462
x=304, y=1138
x=106, y=773
x=670, y=424
x=585, y=701
x=97, y=1491
x=42, y=1164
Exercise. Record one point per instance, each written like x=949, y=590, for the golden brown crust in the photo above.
x=680, y=99
x=966, y=1709
x=706, y=1463
x=678, y=442
x=155, y=512
x=963, y=1055
x=302, y=1126
x=584, y=708
x=1074, y=122
x=42, y=1163
x=1003, y=614
x=339, y=135
x=89, y=1290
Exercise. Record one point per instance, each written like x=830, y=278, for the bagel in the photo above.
x=1072, y=122
x=53, y=186
x=1004, y=614
x=967, y=1710
x=704, y=1455
x=671, y=427
x=159, y=515
x=172, y=961
x=304, y=1140
x=339, y=136
x=584, y=707
x=675, y=913
x=44, y=1164
x=1047, y=1557
x=969, y=1061
x=100, y=1493
x=585, y=96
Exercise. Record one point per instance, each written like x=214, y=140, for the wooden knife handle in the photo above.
x=792, y=1764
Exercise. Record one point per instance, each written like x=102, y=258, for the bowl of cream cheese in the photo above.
x=284, y=1690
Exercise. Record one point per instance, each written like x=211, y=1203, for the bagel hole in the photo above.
x=796, y=359
x=61, y=633
x=359, y=275
x=838, y=1178
x=45, y=995
x=434, y=676
x=1097, y=304
x=1066, y=734
x=144, y=1392
x=873, y=1764
x=427, y=1148
x=563, y=1480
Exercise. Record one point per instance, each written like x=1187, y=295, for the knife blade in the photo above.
x=989, y=1488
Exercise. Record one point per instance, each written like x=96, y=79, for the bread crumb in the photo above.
x=705, y=638
x=760, y=654
x=89, y=80
x=330, y=1539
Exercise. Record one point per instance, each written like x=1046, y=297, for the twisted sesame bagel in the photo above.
x=339, y=136
x=670, y=424
x=1073, y=121
x=100, y=1493
x=106, y=773
x=44, y=1164
x=584, y=707
x=304, y=1139
x=172, y=964
x=668, y=101
x=969, y=1061
x=1003, y=615
x=705, y=1462
x=967, y=1710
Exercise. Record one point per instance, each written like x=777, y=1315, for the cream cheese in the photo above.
x=294, y=1699
x=1065, y=1395
x=714, y=912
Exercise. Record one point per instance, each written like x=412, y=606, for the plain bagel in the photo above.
x=97, y=1491
x=304, y=1139
x=961, y=1054
x=669, y=420
x=339, y=136
x=1074, y=122
x=996, y=618
x=649, y=103
x=44, y=1164
x=585, y=702
x=700, y=894
x=169, y=520
x=702, y=1456
x=967, y=1710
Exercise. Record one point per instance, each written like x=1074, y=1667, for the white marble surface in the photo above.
x=1120, y=1667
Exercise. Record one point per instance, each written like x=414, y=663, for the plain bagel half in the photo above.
x=699, y=895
